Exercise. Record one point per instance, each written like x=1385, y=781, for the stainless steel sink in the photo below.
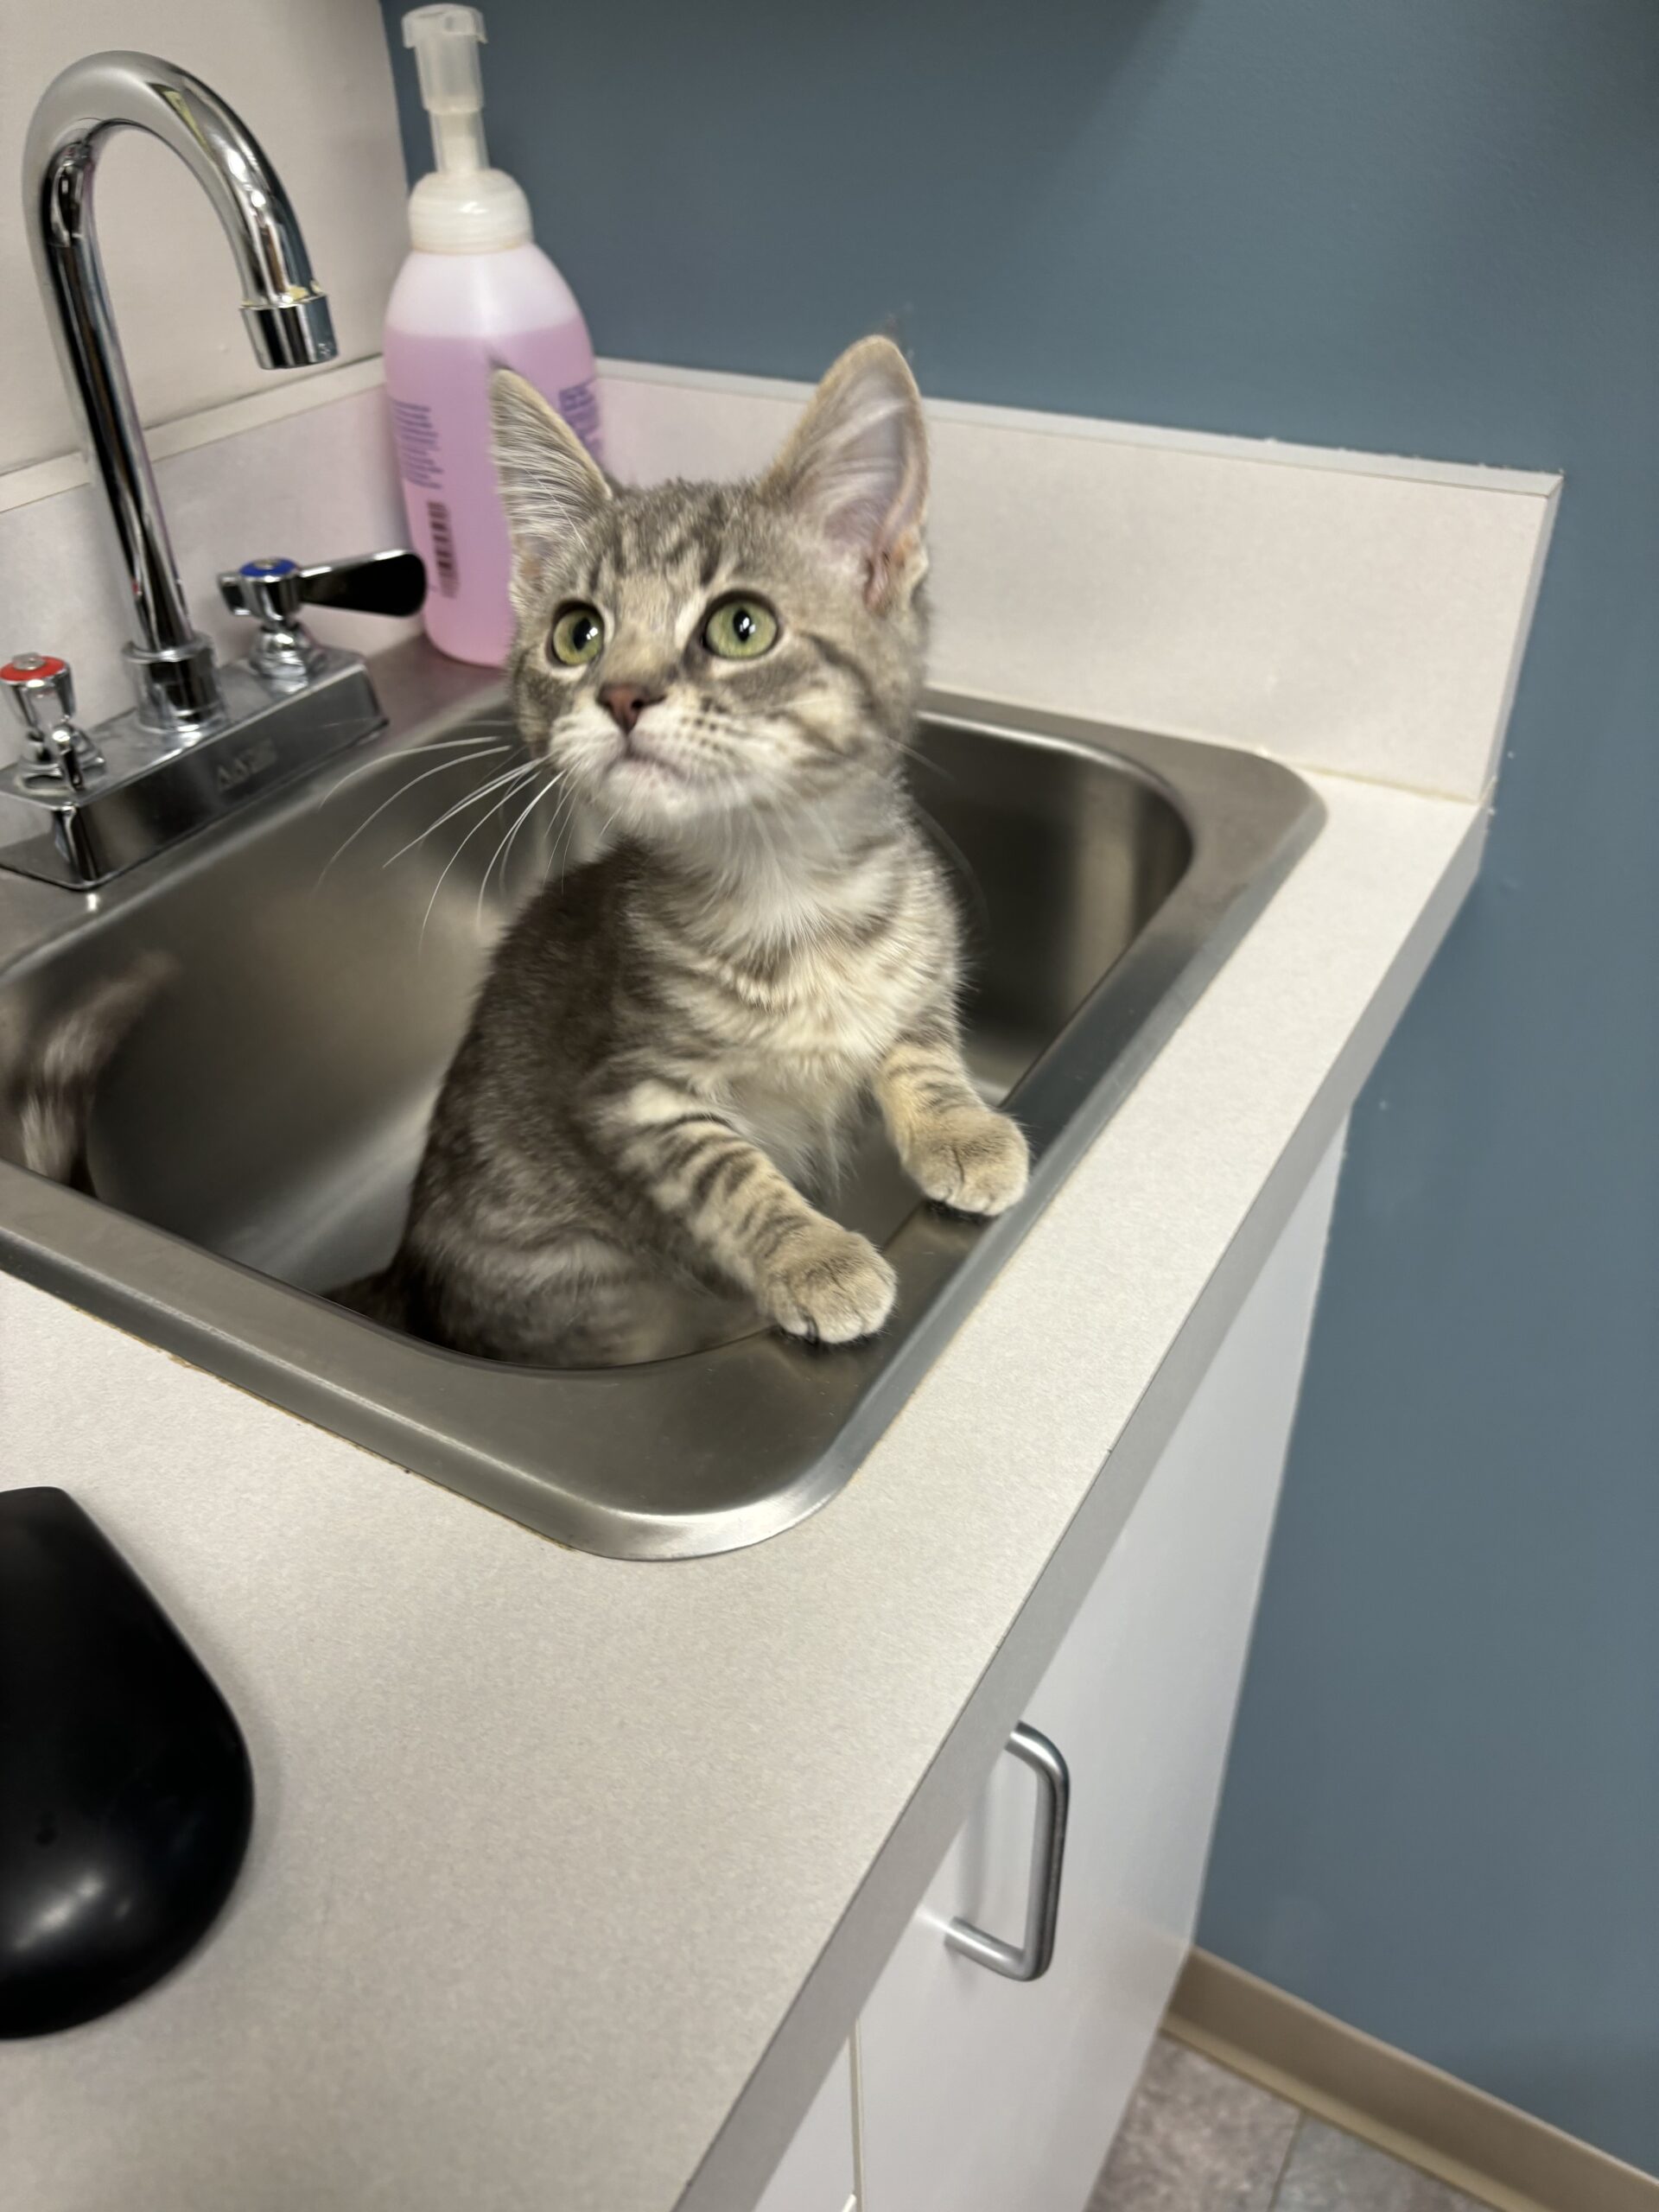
x=254, y=1142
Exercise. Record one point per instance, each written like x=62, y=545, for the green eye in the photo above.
x=578, y=633
x=740, y=629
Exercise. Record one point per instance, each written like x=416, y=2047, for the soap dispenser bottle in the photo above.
x=476, y=293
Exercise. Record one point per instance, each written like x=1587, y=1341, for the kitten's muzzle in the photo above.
x=633, y=754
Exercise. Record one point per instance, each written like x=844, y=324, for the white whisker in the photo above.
x=921, y=760
x=566, y=819
x=954, y=851
x=566, y=815
x=507, y=778
x=492, y=725
x=408, y=754
x=401, y=792
x=449, y=864
x=505, y=847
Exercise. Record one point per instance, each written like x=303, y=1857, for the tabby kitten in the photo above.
x=675, y=1041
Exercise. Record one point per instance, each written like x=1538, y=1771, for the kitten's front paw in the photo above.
x=970, y=1159
x=828, y=1286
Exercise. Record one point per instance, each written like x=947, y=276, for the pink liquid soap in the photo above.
x=439, y=388
x=476, y=294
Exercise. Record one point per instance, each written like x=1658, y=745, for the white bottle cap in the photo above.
x=463, y=205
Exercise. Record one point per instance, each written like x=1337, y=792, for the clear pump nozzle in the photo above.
x=463, y=205
x=446, y=40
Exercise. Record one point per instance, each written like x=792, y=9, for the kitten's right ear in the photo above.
x=856, y=467
x=550, y=484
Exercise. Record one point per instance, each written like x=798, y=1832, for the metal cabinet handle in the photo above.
x=1035, y=1955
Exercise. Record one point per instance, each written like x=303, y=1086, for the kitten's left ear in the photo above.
x=857, y=465
x=550, y=484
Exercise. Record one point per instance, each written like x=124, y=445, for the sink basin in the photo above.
x=254, y=1142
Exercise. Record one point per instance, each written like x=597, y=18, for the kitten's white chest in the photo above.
x=800, y=1080
x=793, y=1034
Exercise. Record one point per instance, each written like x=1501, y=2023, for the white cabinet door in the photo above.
x=980, y=2094
x=816, y=2173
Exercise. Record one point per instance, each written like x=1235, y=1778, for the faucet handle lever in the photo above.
x=43, y=690
x=273, y=591
x=374, y=584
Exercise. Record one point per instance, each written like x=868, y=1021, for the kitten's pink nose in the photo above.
x=625, y=702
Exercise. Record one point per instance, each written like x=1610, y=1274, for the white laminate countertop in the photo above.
x=568, y=1875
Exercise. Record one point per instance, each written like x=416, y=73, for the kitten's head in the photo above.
x=695, y=650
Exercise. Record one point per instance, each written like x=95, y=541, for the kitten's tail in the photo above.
x=53, y=1094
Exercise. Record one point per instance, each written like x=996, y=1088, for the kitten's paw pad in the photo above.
x=829, y=1286
x=970, y=1159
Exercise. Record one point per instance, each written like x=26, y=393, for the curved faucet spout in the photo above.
x=286, y=314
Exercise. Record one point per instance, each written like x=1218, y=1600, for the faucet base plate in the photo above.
x=153, y=789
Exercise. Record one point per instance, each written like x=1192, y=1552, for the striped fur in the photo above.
x=52, y=1099
x=675, y=1042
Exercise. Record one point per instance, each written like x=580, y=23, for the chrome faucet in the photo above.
x=141, y=779
x=287, y=318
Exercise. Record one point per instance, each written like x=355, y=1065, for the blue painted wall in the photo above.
x=1428, y=227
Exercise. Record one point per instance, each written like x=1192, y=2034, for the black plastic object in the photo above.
x=125, y=1791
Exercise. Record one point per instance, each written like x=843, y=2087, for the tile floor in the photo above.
x=1198, y=2138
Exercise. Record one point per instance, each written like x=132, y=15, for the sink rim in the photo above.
x=744, y=1462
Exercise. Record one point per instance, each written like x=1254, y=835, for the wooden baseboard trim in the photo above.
x=1491, y=2150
